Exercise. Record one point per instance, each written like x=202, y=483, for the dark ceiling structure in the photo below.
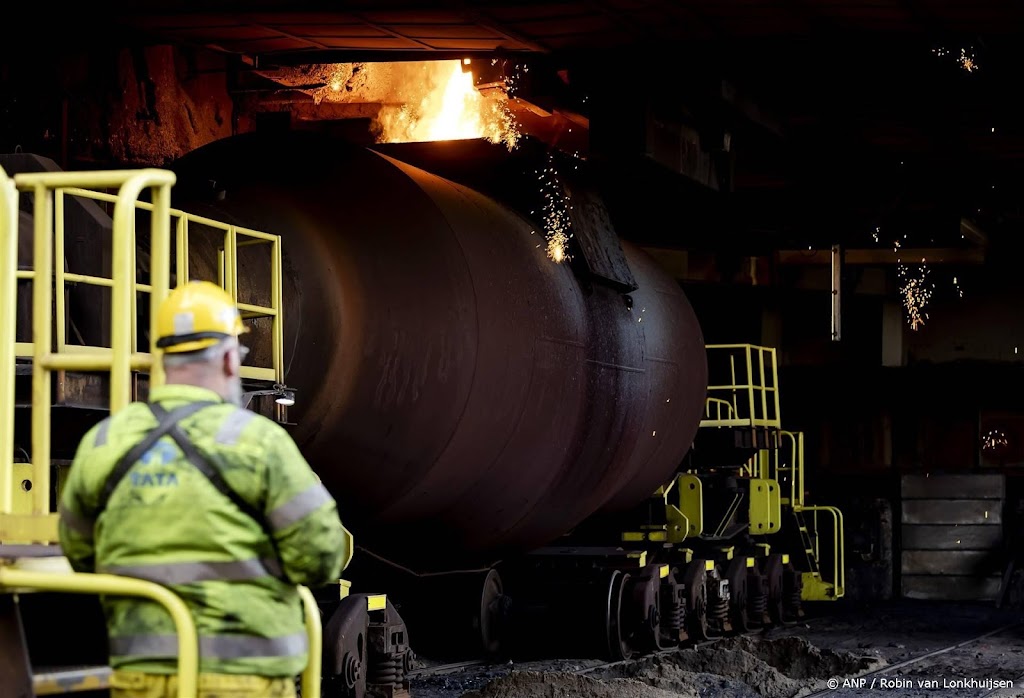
x=288, y=30
x=844, y=115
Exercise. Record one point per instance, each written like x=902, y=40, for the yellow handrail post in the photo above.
x=159, y=274
x=277, y=303
x=8, y=320
x=314, y=632
x=800, y=460
x=133, y=295
x=12, y=578
x=231, y=263
x=122, y=321
x=58, y=256
x=840, y=553
x=764, y=384
x=181, y=250
x=124, y=273
x=42, y=338
x=732, y=380
x=750, y=386
x=775, y=383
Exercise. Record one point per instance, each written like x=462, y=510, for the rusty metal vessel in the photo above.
x=463, y=396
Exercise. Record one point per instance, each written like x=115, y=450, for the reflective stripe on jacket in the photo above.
x=166, y=522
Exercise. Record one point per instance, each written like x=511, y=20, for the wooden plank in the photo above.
x=952, y=563
x=951, y=537
x=953, y=487
x=949, y=511
x=950, y=588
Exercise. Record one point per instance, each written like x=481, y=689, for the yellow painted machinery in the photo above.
x=740, y=493
x=54, y=384
x=743, y=407
x=728, y=544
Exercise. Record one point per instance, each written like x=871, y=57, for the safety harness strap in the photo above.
x=166, y=422
x=203, y=465
x=168, y=425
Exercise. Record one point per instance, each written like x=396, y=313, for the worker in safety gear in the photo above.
x=214, y=501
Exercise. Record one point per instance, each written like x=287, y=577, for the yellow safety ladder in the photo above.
x=39, y=525
x=816, y=587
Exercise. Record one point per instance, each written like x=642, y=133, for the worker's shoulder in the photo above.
x=133, y=417
x=230, y=425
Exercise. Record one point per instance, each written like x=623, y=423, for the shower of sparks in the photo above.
x=994, y=439
x=512, y=81
x=916, y=293
x=915, y=289
x=555, y=213
x=966, y=60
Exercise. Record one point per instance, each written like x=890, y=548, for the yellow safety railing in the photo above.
x=314, y=633
x=838, y=546
x=722, y=409
x=120, y=359
x=751, y=391
x=182, y=224
x=788, y=463
x=16, y=580
x=794, y=467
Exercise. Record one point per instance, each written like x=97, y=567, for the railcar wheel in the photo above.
x=695, y=580
x=773, y=571
x=618, y=648
x=757, y=597
x=736, y=573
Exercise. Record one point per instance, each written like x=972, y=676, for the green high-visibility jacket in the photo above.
x=167, y=522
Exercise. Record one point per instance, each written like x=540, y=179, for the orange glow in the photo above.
x=441, y=103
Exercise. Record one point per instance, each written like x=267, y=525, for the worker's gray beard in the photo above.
x=234, y=395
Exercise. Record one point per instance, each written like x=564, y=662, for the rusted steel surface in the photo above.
x=460, y=394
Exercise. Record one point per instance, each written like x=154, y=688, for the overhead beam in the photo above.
x=381, y=28
x=287, y=35
x=484, y=20
x=878, y=257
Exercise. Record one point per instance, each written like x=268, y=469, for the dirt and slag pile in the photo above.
x=557, y=684
x=739, y=667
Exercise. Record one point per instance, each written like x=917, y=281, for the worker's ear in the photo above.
x=232, y=362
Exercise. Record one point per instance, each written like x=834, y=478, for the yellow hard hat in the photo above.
x=196, y=316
